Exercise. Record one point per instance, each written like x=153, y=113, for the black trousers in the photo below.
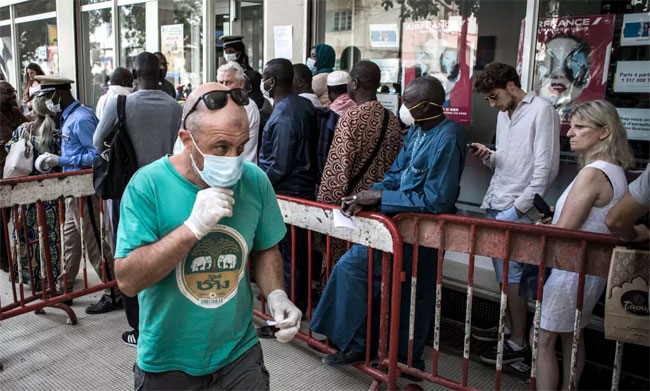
x=131, y=305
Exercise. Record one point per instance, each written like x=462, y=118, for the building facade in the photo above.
x=566, y=50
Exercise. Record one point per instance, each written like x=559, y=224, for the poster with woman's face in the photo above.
x=572, y=61
x=446, y=50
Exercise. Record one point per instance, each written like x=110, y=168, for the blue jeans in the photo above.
x=515, y=268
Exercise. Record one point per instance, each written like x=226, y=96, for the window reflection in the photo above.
x=133, y=36
x=37, y=43
x=99, y=54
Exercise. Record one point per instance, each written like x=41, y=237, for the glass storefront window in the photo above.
x=181, y=40
x=594, y=50
x=37, y=43
x=99, y=53
x=86, y=2
x=34, y=7
x=6, y=55
x=252, y=28
x=4, y=13
x=449, y=40
x=133, y=35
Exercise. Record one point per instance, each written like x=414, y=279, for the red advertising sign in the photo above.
x=446, y=50
x=572, y=60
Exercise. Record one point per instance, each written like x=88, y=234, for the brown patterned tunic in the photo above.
x=356, y=135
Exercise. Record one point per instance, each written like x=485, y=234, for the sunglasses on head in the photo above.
x=218, y=99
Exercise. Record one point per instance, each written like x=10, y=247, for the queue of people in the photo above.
x=202, y=205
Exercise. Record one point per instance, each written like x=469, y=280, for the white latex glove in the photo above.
x=286, y=314
x=210, y=206
x=50, y=160
x=42, y=168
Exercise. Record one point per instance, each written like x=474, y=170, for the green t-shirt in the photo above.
x=198, y=318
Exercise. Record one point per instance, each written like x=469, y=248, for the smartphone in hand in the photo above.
x=471, y=147
x=542, y=206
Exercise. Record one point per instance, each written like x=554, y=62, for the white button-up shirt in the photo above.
x=527, y=156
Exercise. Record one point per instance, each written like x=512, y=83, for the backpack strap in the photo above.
x=121, y=112
x=357, y=178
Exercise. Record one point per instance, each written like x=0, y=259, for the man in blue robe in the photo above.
x=424, y=178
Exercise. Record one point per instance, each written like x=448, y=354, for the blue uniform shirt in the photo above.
x=288, y=147
x=78, y=125
x=425, y=176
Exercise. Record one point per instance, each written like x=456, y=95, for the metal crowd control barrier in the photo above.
x=576, y=251
x=16, y=196
x=374, y=231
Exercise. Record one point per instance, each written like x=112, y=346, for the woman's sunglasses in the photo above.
x=215, y=100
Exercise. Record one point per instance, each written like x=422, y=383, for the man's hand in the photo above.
x=480, y=151
x=50, y=160
x=286, y=314
x=210, y=206
x=351, y=205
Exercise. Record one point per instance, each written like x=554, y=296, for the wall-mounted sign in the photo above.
x=384, y=36
x=632, y=76
x=171, y=45
x=635, y=30
x=636, y=122
x=389, y=68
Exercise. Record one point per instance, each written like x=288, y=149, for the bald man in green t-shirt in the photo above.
x=189, y=225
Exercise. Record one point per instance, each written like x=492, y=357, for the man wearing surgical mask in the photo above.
x=424, y=178
x=287, y=157
x=152, y=120
x=78, y=124
x=185, y=252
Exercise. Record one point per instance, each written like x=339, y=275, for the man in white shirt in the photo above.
x=232, y=75
x=302, y=84
x=525, y=162
x=121, y=83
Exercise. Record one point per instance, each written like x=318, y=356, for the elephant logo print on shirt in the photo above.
x=210, y=274
x=201, y=263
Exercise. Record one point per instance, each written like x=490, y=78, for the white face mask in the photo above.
x=405, y=116
x=231, y=57
x=311, y=64
x=219, y=171
x=52, y=107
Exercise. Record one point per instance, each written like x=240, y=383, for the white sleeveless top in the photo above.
x=595, y=222
x=560, y=290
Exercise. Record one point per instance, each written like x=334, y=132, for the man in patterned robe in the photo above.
x=359, y=155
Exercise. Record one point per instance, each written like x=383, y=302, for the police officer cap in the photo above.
x=337, y=78
x=230, y=39
x=51, y=83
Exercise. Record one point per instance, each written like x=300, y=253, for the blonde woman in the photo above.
x=45, y=138
x=599, y=138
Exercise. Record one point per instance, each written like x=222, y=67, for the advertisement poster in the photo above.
x=283, y=41
x=636, y=122
x=572, y=60
x=389, y=68
x=446, y=50
x=635, y=30
x=384, y=36
x=52, y=49
x=389, y=101
x=171, y=45
x=632, y=76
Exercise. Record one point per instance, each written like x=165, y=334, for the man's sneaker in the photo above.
x=130, y=338
x=344, y=358
x=509, y=354
x=488, y=335
x=102, y=306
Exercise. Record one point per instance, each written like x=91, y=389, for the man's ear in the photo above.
x=162, y=74
x=185, y=137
